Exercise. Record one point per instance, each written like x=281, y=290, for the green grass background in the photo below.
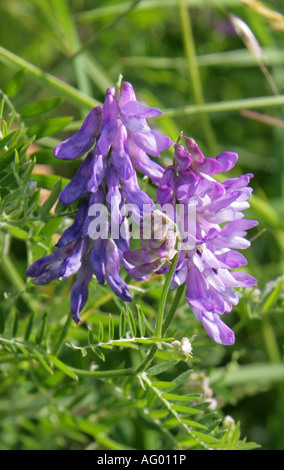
x=183, y=57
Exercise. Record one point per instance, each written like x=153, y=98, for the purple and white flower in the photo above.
x=117, y=141
x=220, y=231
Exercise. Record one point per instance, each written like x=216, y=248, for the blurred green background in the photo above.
x=184, y=57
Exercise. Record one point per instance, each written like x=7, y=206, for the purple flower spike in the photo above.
x=205, y=264
x=83, y=140
x=107, y=183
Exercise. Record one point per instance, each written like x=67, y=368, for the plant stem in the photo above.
x=174, y=306
x=164, y=296
x=232, y=105
x=103, y=373
x=270, y=341
x=147, y=360
x=159, y=325
x=117, y=8
x=59, y=344
x=16, y=280
x=11, y=358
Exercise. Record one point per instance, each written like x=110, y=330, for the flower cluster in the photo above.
x=158, y=245
x=205, y=267
x=118, y=141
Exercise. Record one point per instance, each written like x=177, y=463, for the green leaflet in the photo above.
x=49, y=181
x=40, y=107
x=49, y=127
x=15, y=83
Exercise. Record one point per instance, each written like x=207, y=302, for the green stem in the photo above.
x=76, y=96
x=7, y=358
x=12, y=273
x=234, y=105
x=16, y=280
x=270, y=342
x=114, y=9
x=193, y=71
x=174, y=306
x=103, y=373
x=152, y=351
x=59, y=344
x=147, y=360
x=164, y=296
x=236, y=58
x=25, y=220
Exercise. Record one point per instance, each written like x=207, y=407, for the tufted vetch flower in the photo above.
x=196, y=217
x=116, y=141
x=205, y=267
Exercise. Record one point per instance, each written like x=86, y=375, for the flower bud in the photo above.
x=158, y=242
